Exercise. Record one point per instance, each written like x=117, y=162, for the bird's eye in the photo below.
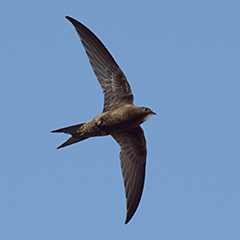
x=145, y=109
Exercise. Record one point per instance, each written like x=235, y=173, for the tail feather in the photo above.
x=70, y=130
x=71, y=140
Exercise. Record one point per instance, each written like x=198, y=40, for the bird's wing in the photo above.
x=133, y=161
x=116, y=89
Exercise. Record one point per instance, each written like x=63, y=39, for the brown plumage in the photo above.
x=119, y=118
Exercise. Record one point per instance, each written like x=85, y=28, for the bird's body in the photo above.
x=120, y=118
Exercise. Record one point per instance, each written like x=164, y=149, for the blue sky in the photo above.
x=181, y=59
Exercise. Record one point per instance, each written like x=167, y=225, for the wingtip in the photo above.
x=127, y=219
x=70, y=19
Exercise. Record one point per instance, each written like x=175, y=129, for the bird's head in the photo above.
x=140, y=114
x=147, y=113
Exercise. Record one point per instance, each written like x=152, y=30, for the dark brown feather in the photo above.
x=116, y=89
x=133, y=161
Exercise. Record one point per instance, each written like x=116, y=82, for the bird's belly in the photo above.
x=115, y=125
x=112, y=122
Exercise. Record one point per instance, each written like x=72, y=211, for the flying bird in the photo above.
x=119, y=118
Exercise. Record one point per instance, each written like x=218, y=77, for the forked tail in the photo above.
x=73, y=131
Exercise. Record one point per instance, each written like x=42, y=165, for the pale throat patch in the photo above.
x=147, y=117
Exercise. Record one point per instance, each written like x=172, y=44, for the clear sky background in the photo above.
x=182, y=59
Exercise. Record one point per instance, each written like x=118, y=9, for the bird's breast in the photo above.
x=118, y=120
